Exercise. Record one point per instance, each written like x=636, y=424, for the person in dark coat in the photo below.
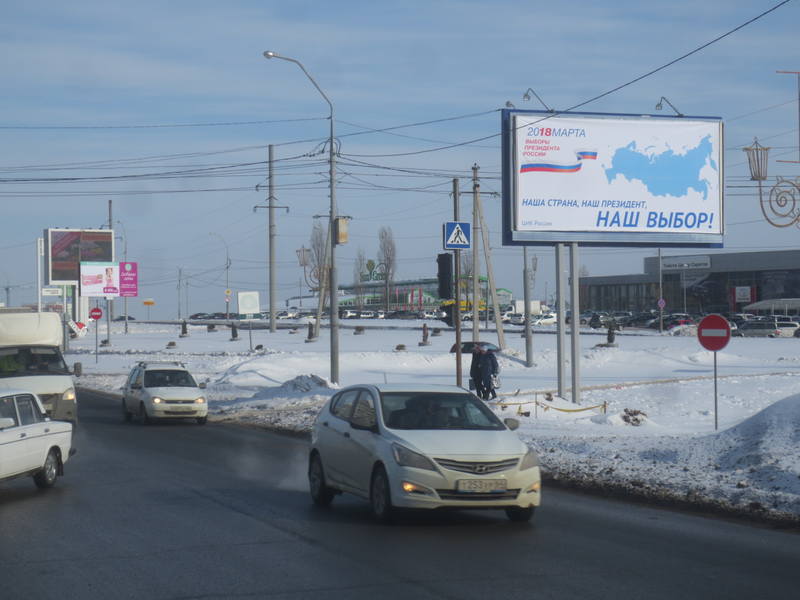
x=474, y=370
x=487, y=368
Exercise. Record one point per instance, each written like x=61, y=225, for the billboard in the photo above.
x=67, y=248
x=128, y=279
x=249, y=303
x=99, y=279
x=605, y=179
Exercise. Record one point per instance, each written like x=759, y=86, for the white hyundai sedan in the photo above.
x=415, y=446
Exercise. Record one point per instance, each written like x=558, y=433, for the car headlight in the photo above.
x=530, y=460
x=409, y=458
x=200, y=400
x=156, y=400
x=69, y=394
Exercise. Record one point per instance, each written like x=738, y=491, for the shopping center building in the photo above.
x=699, y=283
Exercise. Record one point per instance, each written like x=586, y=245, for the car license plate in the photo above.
x=481, y=486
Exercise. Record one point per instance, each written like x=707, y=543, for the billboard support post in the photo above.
x=561, y=341
x=526, y=290
x=476, y=271
x=575, y=322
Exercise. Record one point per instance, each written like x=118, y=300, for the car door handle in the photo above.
x=325, y=423
x=47, y=430
x=346, y=434
x=22, y=435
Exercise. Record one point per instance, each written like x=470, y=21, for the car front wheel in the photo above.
x=381, y=497
x=46, y=478
x=321, y=494
x=520, y=515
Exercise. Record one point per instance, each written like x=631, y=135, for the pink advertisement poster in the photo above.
x=128, y=279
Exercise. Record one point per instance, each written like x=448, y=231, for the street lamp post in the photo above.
x=227, y=274
x=334, y=288
x=125, y=259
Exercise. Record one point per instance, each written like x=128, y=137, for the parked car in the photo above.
x=404, y=314
x=367, y=314
x=544, y=319
x=757, y=328
x=30, y=442
x=420, y=447
x=163, y=390
x=346, y=313
x=122, y=318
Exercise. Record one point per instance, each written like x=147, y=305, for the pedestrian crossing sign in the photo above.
x=456, y=235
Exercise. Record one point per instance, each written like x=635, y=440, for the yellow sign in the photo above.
x=149, y=302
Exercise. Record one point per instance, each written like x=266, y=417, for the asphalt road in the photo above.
x=180, y=511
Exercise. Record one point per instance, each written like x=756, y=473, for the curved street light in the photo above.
x=334, y=288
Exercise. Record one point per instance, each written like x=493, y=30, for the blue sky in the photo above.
x=82, y=78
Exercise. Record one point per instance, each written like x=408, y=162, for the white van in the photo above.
x=31, y=360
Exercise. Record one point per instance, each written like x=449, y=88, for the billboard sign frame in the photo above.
x=100, y=279
x=543, y=154
x=66, y=248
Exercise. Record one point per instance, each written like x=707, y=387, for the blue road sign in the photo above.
x=456, y=235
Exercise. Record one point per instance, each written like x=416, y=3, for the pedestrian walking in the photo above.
x=474, y=370
x=488, y=369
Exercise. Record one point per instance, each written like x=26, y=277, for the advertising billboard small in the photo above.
x=128, y=279
x=99, y=279
x=249, y=303
x=608, y=179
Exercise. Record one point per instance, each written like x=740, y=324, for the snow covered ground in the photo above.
x=651, y=432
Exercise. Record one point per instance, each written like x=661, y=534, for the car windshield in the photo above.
x=168, y=378
x=434, y=410
x=31, y=360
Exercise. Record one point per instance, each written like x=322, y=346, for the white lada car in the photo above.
x=163, y=390
x=30, y=443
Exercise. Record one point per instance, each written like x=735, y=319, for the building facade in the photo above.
x=698, y=283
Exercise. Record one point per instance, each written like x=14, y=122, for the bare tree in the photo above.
x=359, y=268
x=318, y=256
x=387, y=256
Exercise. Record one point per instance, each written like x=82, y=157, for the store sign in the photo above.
x=685, y=263
x=743, y=294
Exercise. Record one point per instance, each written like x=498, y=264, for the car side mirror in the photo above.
x=512, y=424
x=202, y=385
x=77, y=369
x=135, y=386
x=5, y=423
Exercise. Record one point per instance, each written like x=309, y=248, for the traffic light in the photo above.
x=444, y=273
x=448, y=310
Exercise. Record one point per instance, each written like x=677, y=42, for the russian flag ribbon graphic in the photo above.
x=551, y=168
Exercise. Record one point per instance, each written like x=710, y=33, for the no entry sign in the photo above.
x=714, y=332
x=96, y=313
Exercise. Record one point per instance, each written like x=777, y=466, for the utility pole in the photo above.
x=272, y=326
x=180, y=281
x=110, y=302
x=457, y=274
x=475, y=258
x=492, y=289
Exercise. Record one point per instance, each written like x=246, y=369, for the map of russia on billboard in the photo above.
x=613, y=178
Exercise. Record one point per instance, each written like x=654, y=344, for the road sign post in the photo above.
x=95, y=315
x=714, y=333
